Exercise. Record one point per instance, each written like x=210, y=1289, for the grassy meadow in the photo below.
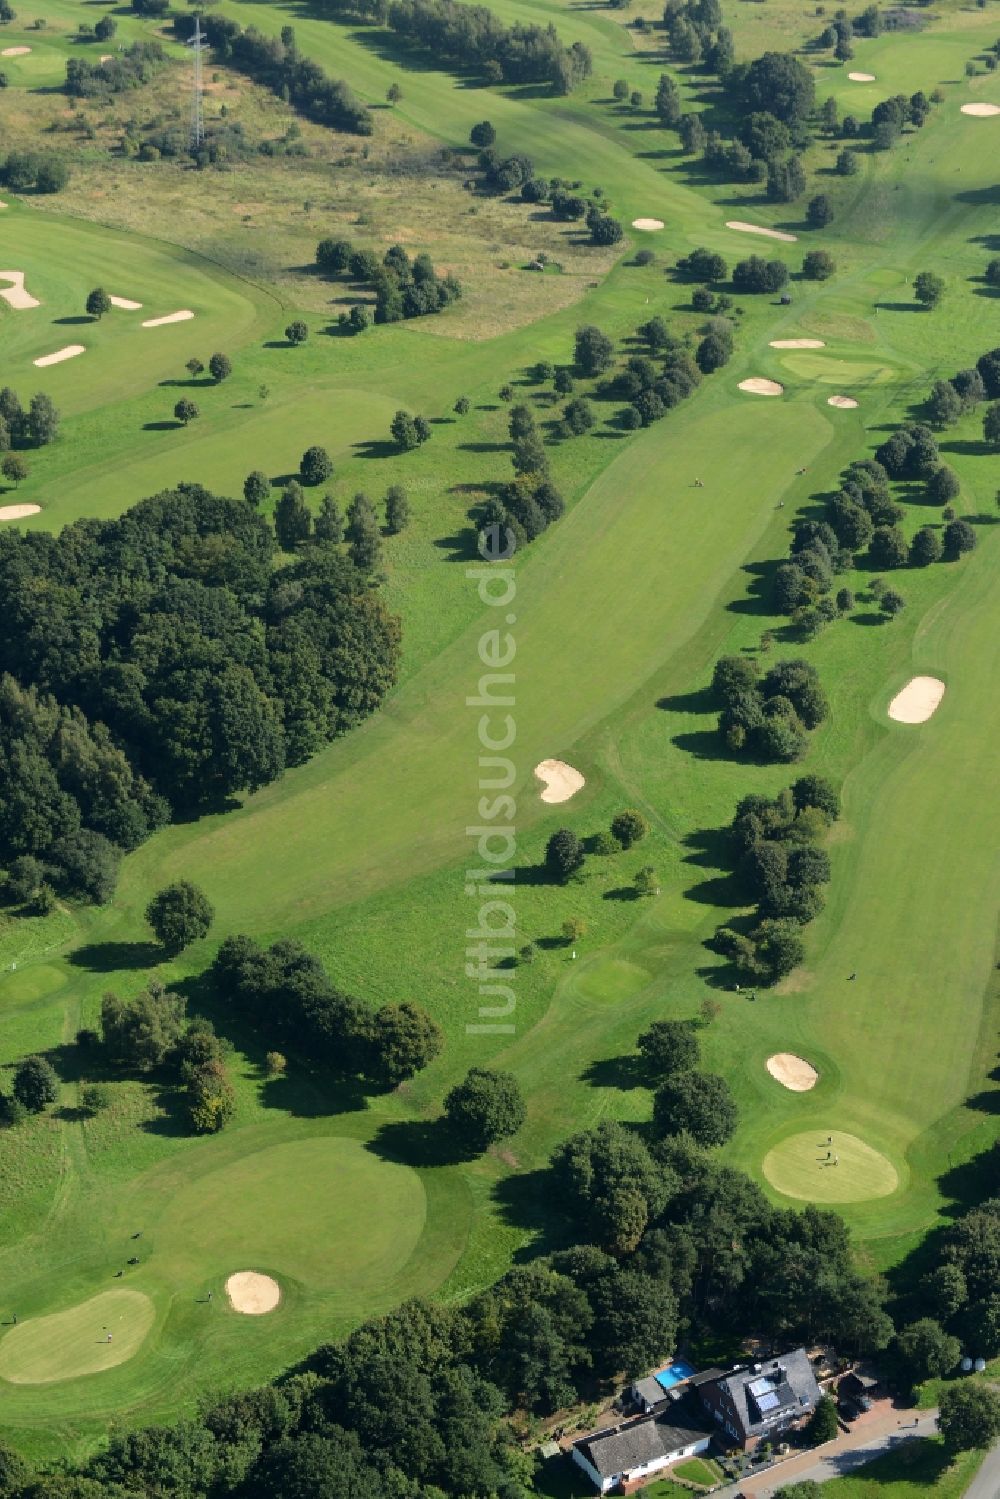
x=620, y=612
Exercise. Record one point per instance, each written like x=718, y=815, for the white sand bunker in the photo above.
x=16, y=294
x=647, y=223
x=861, y=77
x=18, y=512
x=561, y=781
x=69, y=352
x=252, y=1293
x=981, y=111
x=797, y=343
x=758, y=387
x=171, y=317
x=917, y=701
x=842, y=403
x=106, y=57
x=759, y=229
x=792, y=1072
x=15, y=52
x=125, y=304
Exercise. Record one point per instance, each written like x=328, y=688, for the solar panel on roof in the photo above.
x=768, y=1402
x=759, y=1387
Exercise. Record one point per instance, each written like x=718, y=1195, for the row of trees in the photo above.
x=287, y=997
x=31, y=428
x=157, y=662
x=472, y=37
x=404, y=288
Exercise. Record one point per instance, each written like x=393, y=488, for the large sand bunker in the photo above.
x=842, y=403
x=18, y=512
x=797, y=343
x=561, y=781
x=759, y=229
x=981, y=111
x=125, y=304
x=792, y=1072
x=171, y=317
x=759, y=387
x=69, y=352
x=918, y=700
x=647, y=223
x=16, y=294
x=252, y=1293
x=15, y=52
x=861, y=77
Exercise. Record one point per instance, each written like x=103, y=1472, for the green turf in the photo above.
x=697, y=1471
x=804, y=1166
x=73, y=1343
x=620, y=612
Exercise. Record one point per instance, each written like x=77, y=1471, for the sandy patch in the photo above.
x=561, y=781
x=69, y=352
x=252, y=1293
x=16, y=294
x=758, y=387
x=842, y=403
x=981, y=111
x=792, y=1072
x=647, y=223
x=917, y=701
x=759, y=229
x=125, y=304
x=797, y=343
x=18, y=512
x=861, y=77
x=171, y=317
x=15, y=52
x=106, y=57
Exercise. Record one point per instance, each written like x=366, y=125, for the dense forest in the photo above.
x=158, y=663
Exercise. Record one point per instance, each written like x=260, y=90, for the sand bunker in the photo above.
x=842, y=403
x=16, y=294
x=18, y=512
x=125, y=304
x=981, y=111
x=759, y=229
x=171, y=317
x=792, y=1072
x=647, y=223
x=758, y=387
x=69, y=352
x=15, y=52
x=861, y=77
x=797, y=343
x=252, y=1293
x=561, y=781
x=106, y=57
x=917, y=701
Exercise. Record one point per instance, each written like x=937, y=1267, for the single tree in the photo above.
x=462, y=406
x=959, y=538
x=35, y=1084
x=824, y=1423
x=98, y=303
x=818, y=265
x=485, y=1106
x=927, y=1351
x=564, y=854
x=220, y=367
x=297, y=332
x=573, y=929
x=969, y=1416
x=179, y=914
x=329, y=524
x=646, y=880
x=669, y=1046
x=928, y=288
x=397, y=509
x=185, y=410
x=404, y=432
x=14, y=468
x=95, y=1097
x=629, y=827
x=819, y=211
x=292, y=518
x=315, y=466
x=699, y=1103
x=991, y=424
x=393, y=93
x=256, y=487
x=194, y=368
x=593, y=350
x=926, y=547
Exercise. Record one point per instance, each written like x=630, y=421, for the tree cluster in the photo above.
x=157, y=662
x=769, y=715
x=286, y=995
x=403, y=288
x=123, y=71
x=26, y=429
x=24, y=171
x=755, y=274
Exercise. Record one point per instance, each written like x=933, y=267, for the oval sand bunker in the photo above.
x=981, y=111
x=792, y=1072
x=797, y=343
x=842, y=403
x=759, y=229
x=861, y=77
x=252, y=1293
x=758, y=387
x=69, y=352
x=560, y=780
x=18, y=512
x=171, y=317
x=917, y=701
x=15, y=52
x=647, y=224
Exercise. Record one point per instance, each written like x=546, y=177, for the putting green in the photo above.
x=336, y=1217
x=612, y=978
x=67, y=1344
x=829, y=371
x=798, y=1167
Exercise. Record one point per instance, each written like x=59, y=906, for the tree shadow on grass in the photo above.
x=461, y=546
x=624, y=1073
x=162, y=426
x=760, y=590
x=420, y=1143
x=71, y=322
x=376, y=448
x=111, y=957
x=704, y=744
x=868, y=618
x=621, y=892
x=700, y=701
x=525, y=1200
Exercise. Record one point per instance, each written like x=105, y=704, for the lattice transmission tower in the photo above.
x=197, y=44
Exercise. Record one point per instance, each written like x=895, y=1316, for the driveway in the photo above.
x=849, y=1451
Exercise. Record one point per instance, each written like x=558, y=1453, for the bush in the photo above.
x=95, y=1097
x=818, y=265
x=564, y=855
x=629, y=827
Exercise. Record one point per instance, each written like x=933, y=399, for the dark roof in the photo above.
x=707, y=1376
x=650, y=1390
x=619, y=1449
x=866, y=1381
x=778, y=1389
